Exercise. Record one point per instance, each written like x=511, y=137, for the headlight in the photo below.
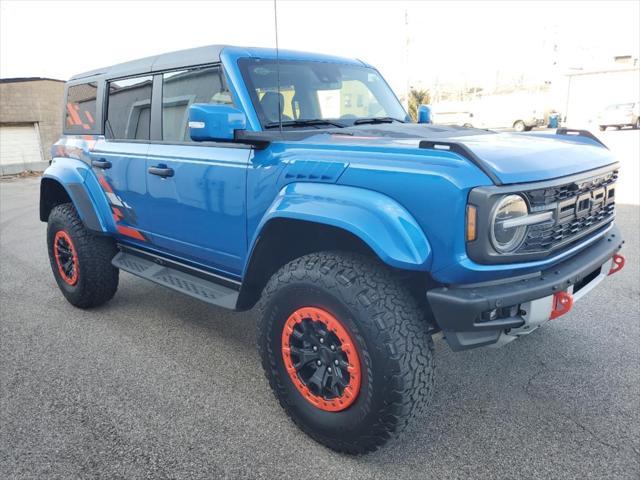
x=506, y=234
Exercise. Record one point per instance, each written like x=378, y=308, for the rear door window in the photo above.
x=81, y=108
x=129, y=109
x=182, y=88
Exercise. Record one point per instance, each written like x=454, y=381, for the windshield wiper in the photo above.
x=373, y=120
x=312, y=122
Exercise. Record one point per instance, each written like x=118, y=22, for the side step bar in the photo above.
x=194, y=286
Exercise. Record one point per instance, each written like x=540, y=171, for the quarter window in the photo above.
x=129, y=109
x=81, y=108
x=182, y=88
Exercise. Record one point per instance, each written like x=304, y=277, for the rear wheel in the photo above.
x=346, y=350
x=80, y=260
x=519, y=126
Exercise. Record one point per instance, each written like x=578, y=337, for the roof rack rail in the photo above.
x=463, y=151
x=579, y=133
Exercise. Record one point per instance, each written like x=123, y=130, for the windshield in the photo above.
x=318, y=94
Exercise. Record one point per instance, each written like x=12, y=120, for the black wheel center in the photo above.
x=66, y=256
x=319, y=360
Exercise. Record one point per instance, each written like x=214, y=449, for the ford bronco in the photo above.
x=297, y=183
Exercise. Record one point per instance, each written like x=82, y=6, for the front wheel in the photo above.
x=346, y=350
x=80, y=260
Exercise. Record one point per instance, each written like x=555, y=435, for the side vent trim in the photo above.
x=314, y=170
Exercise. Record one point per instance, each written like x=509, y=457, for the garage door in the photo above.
x=19, y=148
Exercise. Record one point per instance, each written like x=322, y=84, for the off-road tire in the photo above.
x=97, y=279
x=391, y=337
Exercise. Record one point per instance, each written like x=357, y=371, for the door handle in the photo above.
x=102, y=163
x=161, y=171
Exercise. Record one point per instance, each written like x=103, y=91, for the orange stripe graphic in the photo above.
x=131, y=232
x=104, y=184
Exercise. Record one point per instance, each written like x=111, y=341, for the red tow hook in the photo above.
x=562, y=303
x=618, y=263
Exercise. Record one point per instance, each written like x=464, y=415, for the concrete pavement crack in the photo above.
x=596, y=438
x=543, y=370
x=527, y=390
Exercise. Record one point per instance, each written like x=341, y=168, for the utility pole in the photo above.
x=406, y=57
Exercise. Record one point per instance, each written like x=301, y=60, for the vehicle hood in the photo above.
x=516, y=158
x=510, y=157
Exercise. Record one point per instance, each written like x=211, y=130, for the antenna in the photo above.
x=275, y=17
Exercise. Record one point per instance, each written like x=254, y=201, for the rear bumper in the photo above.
x=622, y=120
x=534, y=122
x=460, y=311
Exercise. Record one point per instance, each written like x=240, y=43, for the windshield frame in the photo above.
x=245, y=62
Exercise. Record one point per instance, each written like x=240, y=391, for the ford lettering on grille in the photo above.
x=579, y=208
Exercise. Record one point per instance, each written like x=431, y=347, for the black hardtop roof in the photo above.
x=200, y=56
x=29, y=79
x=164, y=61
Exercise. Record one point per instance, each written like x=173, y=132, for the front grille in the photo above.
x=579, y=208
x=544, y=197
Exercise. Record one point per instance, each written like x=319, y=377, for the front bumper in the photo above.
x=464, y=312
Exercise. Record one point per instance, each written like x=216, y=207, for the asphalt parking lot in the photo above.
x=158, y=385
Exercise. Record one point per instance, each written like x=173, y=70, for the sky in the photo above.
x=411, y=43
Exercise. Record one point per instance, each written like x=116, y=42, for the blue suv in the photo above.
x=298, y=183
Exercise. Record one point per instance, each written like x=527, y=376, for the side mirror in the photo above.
x=424, y=114
x=211, y=122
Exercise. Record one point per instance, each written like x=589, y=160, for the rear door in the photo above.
x=119, y=160
x=196, y=191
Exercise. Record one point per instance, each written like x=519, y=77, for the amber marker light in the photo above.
x=471, y=223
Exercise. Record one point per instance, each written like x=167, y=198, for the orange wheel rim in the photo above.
x=321, y=359
x=66, y=257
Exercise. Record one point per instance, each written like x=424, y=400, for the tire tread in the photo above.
x=394, y=319
x=99, y=278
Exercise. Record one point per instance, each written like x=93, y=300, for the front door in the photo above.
x=196, y=193
x=199, y=211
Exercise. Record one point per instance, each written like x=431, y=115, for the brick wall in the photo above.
x=34, y=101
